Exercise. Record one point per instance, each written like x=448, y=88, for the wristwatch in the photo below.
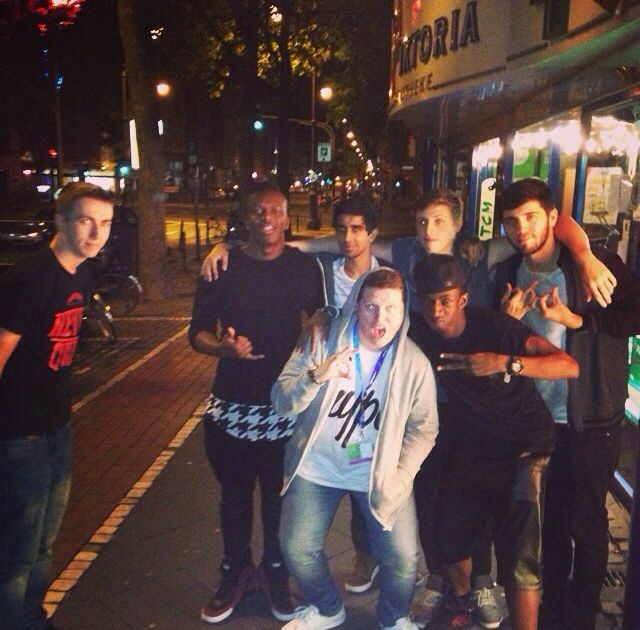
x=514, y=367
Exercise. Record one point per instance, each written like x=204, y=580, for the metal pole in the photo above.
x=314, y=217
x=58, y=123
x=312, y=158
x=125, y=112
x=56, y=84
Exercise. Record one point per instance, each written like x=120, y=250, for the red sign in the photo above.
x=63, y=10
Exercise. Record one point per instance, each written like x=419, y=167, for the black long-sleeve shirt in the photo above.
x=263, y=301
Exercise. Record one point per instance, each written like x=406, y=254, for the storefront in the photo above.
x=498, y=90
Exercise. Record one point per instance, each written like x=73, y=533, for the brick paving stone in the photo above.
x=119, y=434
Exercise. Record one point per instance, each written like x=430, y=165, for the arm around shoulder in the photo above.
x=383, y=249
x=544, y=360
x=316, y=245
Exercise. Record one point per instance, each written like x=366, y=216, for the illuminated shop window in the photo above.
x=548, y=150
x=612, y=188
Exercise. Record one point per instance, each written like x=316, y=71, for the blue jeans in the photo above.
x=35, y=477
x=308, y=510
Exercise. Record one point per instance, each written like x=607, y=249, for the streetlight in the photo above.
x=163, y=89
x=326, y=93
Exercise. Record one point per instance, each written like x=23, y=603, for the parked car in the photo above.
x=16, y=232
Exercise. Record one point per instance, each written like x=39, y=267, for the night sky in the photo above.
x=90, y=61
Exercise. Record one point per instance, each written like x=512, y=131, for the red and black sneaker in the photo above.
x=456, y=612
x=273, y=578
x=230, y=590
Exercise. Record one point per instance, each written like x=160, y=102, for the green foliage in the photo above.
x=214, y=37
x=346, y=43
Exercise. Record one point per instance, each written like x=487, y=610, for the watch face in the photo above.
x=516, y=366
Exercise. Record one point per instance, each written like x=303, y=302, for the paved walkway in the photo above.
x=161, y=563
x=121, y=426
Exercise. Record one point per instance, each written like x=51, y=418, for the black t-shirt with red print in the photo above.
x=42, y=302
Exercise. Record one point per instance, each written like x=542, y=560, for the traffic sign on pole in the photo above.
x=324, y=152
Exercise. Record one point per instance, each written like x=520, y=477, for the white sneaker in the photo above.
x=309, y=618
x=425, y=609
x=365, y=570
x=402, y=624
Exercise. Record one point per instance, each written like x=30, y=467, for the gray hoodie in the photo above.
x=409, y=419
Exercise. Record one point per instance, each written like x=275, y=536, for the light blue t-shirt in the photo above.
x=553, y=392
x=342, y=283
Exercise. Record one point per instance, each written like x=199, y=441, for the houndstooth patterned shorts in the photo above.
x=248, y=422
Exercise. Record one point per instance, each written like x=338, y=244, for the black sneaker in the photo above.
x=230, y=590
x=273, y=578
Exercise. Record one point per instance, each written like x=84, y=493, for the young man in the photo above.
x=439, y=220
x=540, y=285
x=41, y=305
x=498, y=434
x=355, y=221
x=367, y=418
x=250, y=319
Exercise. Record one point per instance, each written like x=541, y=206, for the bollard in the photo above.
x=198, y=254
x=182, y=245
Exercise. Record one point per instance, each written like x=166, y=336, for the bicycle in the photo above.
x=97, y=315
x=121, y=291
x=215, y=228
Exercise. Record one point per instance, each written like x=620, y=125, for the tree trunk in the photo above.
x=154, y=267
